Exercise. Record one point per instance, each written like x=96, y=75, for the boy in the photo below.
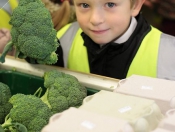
x=5, y=37
x=115, y=41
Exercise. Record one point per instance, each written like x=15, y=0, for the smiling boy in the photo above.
x=104, y=21
x=111, y=38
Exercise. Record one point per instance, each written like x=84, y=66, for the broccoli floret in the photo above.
x=1, y=129
x=29, y=111
x=28, y=30
x=18, y=16
x=5, y=106
x=49, y=59
x=63, y=91
x=39, y=121
x=33, y=33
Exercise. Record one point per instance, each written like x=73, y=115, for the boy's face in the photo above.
x=103, y=20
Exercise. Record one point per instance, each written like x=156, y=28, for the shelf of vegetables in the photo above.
x=26, y=79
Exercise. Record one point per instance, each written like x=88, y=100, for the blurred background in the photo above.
x=160, y=14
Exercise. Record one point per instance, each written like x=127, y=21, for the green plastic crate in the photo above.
x=27, y=84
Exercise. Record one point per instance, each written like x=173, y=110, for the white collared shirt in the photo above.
x=128, y=33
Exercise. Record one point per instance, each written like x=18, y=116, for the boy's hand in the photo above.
x=166, y=8
x=5, y=37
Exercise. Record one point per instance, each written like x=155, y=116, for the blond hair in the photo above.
x=132, y=3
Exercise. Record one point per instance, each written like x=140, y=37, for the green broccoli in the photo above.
x=5, y=106
x=63, y=91
x=33, y=33
x=28, y=112
x=13, y=127
x=1, y=129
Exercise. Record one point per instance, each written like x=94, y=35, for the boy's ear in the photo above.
x=137, y=7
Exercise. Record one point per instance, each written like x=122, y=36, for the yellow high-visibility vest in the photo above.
x=145, y=58
x=5, y=16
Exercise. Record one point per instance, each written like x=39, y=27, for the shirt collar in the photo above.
x=128, y=33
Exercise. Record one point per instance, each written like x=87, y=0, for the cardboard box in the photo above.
x=143, y=114
x=160, y=90
x=76, y=120
x=169, y=122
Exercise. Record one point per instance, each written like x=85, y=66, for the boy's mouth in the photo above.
x=99, y=31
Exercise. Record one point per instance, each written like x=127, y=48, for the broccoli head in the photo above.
x=33, y=33
x=29, y=111
x=5, y=106
x=63, y=91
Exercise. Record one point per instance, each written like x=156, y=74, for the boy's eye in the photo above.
x=84, y=5
x=110, y=5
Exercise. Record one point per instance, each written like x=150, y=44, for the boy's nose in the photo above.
x=97, y=17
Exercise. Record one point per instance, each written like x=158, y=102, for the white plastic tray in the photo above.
x=88, y=80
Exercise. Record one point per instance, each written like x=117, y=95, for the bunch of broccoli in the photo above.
x=5, y=106
x=33, y=33
x=63, y=91
x=29, y=114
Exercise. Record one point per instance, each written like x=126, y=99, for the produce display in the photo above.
x=33, y=34
x=30, y=113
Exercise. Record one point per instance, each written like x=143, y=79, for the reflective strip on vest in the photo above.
x=74, y=52
x=65, y=42
x=166, y=61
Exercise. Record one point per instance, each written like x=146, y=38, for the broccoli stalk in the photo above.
x=45, y=99
x=57, y=103
x=1, y=129
x=38, y=92
x=13, y=126
x=7, y=48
